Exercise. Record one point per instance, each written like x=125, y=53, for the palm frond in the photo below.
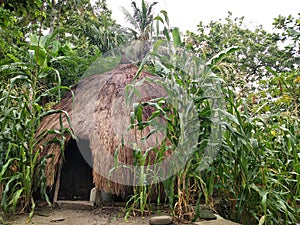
x=130, y=18
x=149, y=12
x=141, y=19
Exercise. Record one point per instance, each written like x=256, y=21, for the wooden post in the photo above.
x=57, y=184
x=1, y=190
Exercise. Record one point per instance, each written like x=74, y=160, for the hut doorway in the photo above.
x=76, y=178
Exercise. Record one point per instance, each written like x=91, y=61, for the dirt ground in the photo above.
x=111, y=216
x=74, y=214
x=47, y=216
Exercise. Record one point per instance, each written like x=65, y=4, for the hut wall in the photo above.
x=99, y=121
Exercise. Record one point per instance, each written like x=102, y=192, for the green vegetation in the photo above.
x=35, y=71
x=45, y=48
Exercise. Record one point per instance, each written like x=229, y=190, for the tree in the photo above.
x=26, y=11
x=257, y=47
x=290, y=33
x=246, y=70
x=84, y=31
x=141, y=20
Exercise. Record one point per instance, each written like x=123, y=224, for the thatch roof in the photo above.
x=99, y=114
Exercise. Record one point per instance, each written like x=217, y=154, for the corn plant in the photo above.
x=256, y=173
x=258, y=168
x=145, y=177
x=22, y=167
x=196, y=90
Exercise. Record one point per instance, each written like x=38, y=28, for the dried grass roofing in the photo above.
x=98, y=115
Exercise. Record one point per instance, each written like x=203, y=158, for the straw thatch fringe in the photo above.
x=99, y=115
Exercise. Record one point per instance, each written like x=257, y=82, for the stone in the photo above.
x=207, y=215
x=60, y=219
x=160, y=220
x=75, y=205
x=217, y=222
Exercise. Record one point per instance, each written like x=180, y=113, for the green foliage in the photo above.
x=257, y=47
x=28, y=12
x=90, y=28
x=22, y=167
x=256, y=174
x=143, y=158
x=290, y=32
x=176, y=37
x=193, y=94
x=61, y=57
x=258, y=167
x=35, y=70
x=282, y=95
x=23, y=7
x=141, y=20
x=81, y=31
x=10, y=36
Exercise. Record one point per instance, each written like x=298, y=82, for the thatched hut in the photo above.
x=98, y=117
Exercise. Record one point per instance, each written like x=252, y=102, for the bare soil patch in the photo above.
x=98, y=216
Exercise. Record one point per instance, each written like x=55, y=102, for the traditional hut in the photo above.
x=98, y=116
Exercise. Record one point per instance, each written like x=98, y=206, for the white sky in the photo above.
x=186, y=14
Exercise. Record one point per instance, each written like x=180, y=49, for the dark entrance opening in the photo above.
x=76, y=179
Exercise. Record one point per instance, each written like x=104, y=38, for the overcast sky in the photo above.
x=186, y=14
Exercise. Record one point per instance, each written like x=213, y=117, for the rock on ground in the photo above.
x=160, y=220
x=218, y=221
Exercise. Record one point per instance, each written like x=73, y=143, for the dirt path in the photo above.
x=48, y=216
x=107, y=216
